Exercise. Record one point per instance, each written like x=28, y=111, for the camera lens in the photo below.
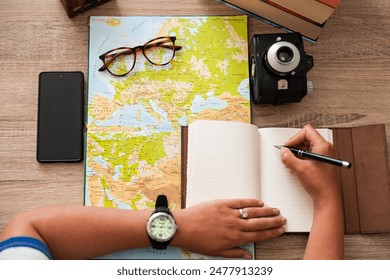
x=285, y=54
x=283, y=57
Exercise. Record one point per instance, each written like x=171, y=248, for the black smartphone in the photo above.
x=60, y=116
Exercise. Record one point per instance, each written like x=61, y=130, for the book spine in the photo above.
x=310, y=36
x=309, y=10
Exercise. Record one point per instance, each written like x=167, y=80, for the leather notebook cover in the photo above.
x=184, y=155
x=365, y=186
x=366, y=192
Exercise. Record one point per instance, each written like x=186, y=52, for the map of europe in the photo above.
x=133, y=143
x=133, y=127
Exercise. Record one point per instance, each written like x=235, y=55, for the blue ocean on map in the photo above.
x=199, y=104
x=129, y=116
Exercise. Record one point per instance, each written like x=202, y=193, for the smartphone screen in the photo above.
x=60, y=116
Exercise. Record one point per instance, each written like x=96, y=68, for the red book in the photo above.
x=332, y=3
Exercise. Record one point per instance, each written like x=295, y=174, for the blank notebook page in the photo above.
x=222, y=161
x=280, y=188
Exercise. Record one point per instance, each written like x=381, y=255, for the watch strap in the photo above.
x=162, y=201
x=159, y=245
x=162, y=205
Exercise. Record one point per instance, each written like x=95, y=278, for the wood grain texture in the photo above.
x=351, y=79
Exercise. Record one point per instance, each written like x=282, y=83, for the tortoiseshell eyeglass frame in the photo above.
x=107, y=59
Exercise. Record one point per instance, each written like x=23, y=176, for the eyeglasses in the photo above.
x=120, y=61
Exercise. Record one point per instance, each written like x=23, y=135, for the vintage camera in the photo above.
x=278, y=68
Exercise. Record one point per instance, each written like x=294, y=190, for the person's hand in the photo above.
x=318, y=178
x=216, y=228
x=326, y=239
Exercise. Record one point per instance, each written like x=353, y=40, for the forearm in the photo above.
x=213, y=228
x=326, y=239
x=82, y=232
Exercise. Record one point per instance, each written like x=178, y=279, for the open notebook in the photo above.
x=365, y=186
x=237, y=160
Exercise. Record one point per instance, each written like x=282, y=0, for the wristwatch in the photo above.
x=161, y=225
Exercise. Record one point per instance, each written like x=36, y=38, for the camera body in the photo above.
x=278, y=68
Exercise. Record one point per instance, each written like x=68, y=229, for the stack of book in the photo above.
x=305, y=16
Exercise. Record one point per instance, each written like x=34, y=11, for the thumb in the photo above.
x=289, y=159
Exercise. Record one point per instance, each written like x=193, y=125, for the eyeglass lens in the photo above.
x=159, y=51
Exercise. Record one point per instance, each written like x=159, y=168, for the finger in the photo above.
x=307, y=136
x=264, y=223
x=258, y=212
x=290, y=160
x=236, y=253
x=243, y=202
x=255, y=236
x=297, y=139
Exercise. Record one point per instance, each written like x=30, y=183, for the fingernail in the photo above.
x=282, y=229
x=248, y=256
x=275, y=211
x=261, y=203
x=284, y=220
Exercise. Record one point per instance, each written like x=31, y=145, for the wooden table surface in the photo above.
x=351, y=80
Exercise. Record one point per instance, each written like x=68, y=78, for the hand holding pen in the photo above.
x=317, y=179
x=309, y=155
x=303, y=143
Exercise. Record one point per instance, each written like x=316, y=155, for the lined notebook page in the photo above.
x=280, y=188
x=222, y=161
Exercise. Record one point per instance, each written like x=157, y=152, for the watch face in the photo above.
x=161, y=226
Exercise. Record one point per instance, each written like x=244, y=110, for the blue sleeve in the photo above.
x=27, y=242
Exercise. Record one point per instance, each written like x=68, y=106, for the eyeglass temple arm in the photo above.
x=102, y=68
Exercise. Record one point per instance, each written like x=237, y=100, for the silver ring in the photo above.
x=244, y=215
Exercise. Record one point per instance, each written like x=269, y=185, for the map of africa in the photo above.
x=134, y=122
